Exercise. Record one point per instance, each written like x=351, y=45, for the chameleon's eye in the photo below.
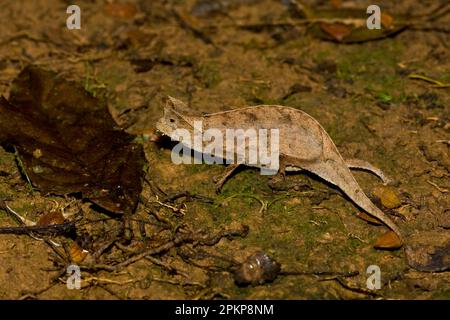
x=172, y=120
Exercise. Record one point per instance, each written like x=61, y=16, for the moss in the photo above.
x=257, y=93
x=321, y=56
x=373, y=68
x=208, y=73
x=442, y=295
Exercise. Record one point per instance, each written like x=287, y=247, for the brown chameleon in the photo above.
x=303, y=145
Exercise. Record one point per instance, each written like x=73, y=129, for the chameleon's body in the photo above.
x=303, y=144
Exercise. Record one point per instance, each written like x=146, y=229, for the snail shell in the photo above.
x=256, y=270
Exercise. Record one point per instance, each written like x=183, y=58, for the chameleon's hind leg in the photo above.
x=220, y=181
x=336, y=172
x=364, y=165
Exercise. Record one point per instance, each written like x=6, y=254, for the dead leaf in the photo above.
x=336, y=3
x=368, y=218
x=337, y=31
x=387, y=20
x=69, y=143
x=120, y=10
x=137, y=37
x=51, y=217
x=348, y=25
x=429, y=258
x=77, y=254
x=389, y=240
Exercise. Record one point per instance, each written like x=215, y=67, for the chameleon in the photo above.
x=303, y=145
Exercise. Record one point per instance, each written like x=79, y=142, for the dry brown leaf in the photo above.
x=51, y=217
x=77, y=254
x=387, y=20
x=368, y=218
x=120, y=10
x=69, y=143
x=336, y=30
x=336, y=3
x=389, y=240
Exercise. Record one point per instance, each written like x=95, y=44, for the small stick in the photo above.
x=437, y=187
x=52, y=229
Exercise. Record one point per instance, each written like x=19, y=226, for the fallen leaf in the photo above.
x=69, y=143
x=51, y=217
x=348, y=25
x=120, y=10
x=77, y=254
x=368, y=218
x=137, y=37
x=389, y=240
x=337, y=31
x=387, y=20
x=336, y=3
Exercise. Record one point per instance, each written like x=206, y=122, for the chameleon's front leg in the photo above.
x=281, y=174
x=220, y=181
x=282, y=166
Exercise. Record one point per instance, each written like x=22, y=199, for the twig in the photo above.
x=182, y=283
x=154, y=260
x=262, y=202
x=197, y=33
x=437, y=187
x=52, y=229
x=180, y=239
x=437, y=83
x=320, y=273
x=447, y=142
x=173, y=208
x=345, y=285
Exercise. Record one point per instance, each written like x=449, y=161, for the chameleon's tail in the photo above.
x=336, y=172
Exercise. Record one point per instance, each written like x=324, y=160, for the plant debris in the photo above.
x=69, y=143
x=389, y=240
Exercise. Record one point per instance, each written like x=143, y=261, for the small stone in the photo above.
x=37, y=153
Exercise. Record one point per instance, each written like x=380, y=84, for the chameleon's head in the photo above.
x=174, y=117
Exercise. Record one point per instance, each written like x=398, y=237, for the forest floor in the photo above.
x=220, y=55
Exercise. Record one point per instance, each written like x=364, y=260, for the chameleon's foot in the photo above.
x=277, y=182
x=280, y=177
x=220, y=181
x=282, y=169
x=364, y=165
